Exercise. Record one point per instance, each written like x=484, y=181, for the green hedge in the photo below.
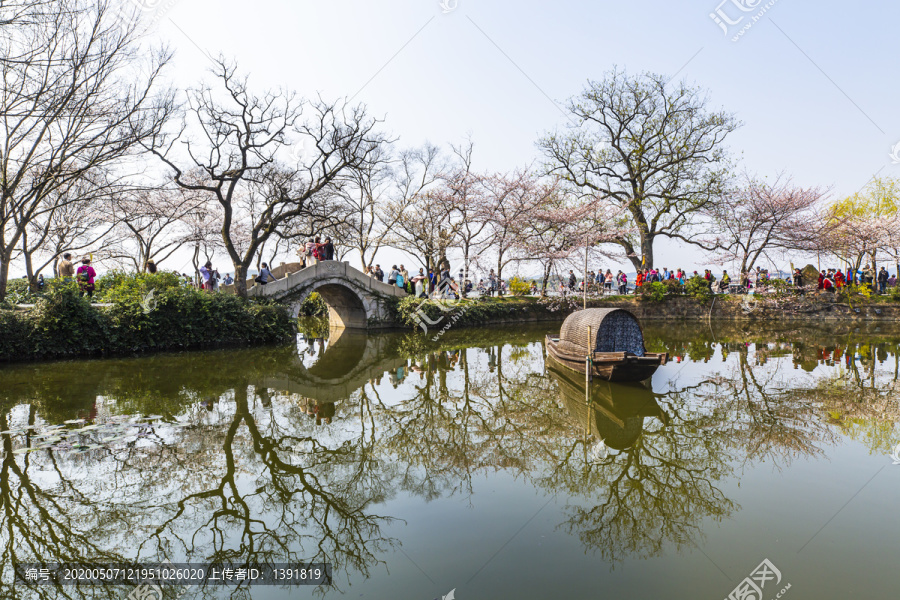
x=469, y=312
x=176, y=317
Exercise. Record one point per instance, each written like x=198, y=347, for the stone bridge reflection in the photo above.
x=348, y=361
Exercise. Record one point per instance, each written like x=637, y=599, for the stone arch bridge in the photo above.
x=354, y=300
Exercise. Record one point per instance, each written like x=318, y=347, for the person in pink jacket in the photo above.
x=85, y=277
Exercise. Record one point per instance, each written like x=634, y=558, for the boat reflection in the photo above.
x=614, y=413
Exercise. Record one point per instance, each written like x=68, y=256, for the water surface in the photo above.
x=416, y=468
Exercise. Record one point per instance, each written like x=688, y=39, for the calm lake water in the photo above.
x=468, y=465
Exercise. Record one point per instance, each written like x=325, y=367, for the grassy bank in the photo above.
x=173, y=317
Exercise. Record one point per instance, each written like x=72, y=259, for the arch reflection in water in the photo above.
x=332, y=371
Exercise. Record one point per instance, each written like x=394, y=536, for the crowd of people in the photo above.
x=441, y=283
x=757, y=279
x=423, y=285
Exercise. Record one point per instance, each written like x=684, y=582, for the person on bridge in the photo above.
x=405, y=274
x=379, y=274
x=265, y=275
x=419, y=282
x=392, y=278
x=327, y=250
x=317, y=251
x=310, y=253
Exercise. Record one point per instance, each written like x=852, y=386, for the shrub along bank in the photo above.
x=172, y=317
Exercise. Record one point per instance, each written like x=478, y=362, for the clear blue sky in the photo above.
x=814, y=83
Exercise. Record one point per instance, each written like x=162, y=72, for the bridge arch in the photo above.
x=345, y=307
x=354, y=300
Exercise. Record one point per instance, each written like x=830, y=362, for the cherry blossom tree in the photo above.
x=864, y=224
x=421, y=216
x=463, y=191
x=763, y=215
x=510, y=202
x=561, y=226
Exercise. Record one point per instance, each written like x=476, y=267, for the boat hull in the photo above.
x=612, y=366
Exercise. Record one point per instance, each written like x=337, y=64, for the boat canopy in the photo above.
x=612, y=330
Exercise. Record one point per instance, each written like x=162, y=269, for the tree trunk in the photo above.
x=461, y=285
x=240, y=280
x=546, y=279
x=4, y=276
x=29, y=272
x=646, y=250
x=196, y=263
x=631, y=254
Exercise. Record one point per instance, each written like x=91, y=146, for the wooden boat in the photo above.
x=614, y=341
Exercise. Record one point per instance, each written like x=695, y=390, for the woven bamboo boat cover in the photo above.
x=612, y=330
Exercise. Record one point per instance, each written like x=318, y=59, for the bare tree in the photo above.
x=420, y=218
x=234, y=162
x=23, y=12
x=70, y=219
x=465, y=194
x=156, y=222
x=368, y=224
x=649, y=145
x=78, y=97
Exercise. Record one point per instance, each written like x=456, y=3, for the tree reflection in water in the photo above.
x=284, y=462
